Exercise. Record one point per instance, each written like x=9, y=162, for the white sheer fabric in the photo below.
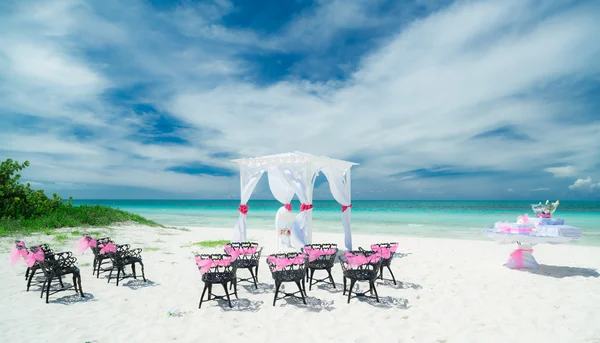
x=283, y=192
x=249, y=177
x=341, y=192
x=301, y=179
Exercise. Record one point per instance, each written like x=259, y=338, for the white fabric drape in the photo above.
x=249, y=177
x=341, y=192
x=281, y=189
x=301, y=181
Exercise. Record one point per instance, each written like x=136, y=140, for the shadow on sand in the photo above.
x=563, y=271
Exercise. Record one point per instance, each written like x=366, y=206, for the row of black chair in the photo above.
x=298, y=268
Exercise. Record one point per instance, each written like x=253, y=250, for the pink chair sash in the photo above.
x=18, y=250
x=305, y=207
x=288, y=207
x=384, y=251
x=314, y=254
x=361, y=259
x=282, y=262
x=206, y=264
x=235, y=252
x=32, y=257
x=517, y=257
x=85, y=242
x=109, y=247
x=243, y=209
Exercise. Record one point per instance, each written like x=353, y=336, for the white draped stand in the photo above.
x=294, y=174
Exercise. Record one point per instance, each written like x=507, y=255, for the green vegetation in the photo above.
x=151, y=249
x=206, y=244
x=24, y=210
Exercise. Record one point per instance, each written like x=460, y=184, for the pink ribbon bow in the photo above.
x=32, y=257
x=206, y=264
x=235, y=252
x=344, y=208
x=305, y=207
x=544, y=215
x=288, y=207
x=18, y=250
x=525, y=218
x=517, y=256
x=314, y=254
x=282, y=262
x=384, y=251
x=109, y=247
x=243, y=209
x=85, y=242
x=361, y=259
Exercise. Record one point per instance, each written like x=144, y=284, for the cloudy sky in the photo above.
x=435, y=99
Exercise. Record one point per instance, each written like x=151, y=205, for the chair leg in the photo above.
x=253, y=277
x=48, y=290
x=118, y=274
x=330, y=277
x=256, y=273
x=94, y=265
x=79, y=283
x=277, y=285
x=27, y=273
x=143, y=274
x=29, y=281
x=372, y=282
x=352, y=282
x=344, y=293
x=75, y=282
x=209, y=291
x=224, y=284
x=393, y=278
x=312, y=274
x=61, y=283
x=110, y=274
x=202, y=296
x=234, y=282
x=301, y=291
x=381, y=272
x=133, y=270
x=43, y=287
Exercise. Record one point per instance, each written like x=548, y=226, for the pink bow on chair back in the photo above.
x=33, y=256
x=314, y=254
x=361, y=259
x=235, y=252
x=18, y=250
x=282, y=262
x=206, y=264
x=85, y=242
x=108, y=248
x=385, y=252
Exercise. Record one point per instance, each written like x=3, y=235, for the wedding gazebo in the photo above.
x=295, y=173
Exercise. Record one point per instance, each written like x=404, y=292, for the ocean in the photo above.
x=443, y=219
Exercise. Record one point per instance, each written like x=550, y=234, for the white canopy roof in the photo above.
x=294, y=157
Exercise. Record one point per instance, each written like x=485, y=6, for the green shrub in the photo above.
x=24, y=210
x=18, y=200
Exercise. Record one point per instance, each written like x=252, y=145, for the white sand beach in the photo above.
x=448, y=291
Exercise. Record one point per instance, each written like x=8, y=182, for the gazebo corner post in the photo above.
x=348, y=240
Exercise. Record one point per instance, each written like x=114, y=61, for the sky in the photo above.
x=435, y=99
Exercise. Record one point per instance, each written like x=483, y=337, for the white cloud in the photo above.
x=564, y=171
x=413, y=103
x=584, y=184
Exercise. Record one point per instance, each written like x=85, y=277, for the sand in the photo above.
x=448, y=291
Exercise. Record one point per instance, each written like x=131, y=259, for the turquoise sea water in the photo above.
x=444, y=219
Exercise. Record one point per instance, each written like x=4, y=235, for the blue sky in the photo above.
x=434, y=99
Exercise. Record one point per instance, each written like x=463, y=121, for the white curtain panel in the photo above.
x=341, y=193
x=249, y=177
x=281, y=189
x=301, y=179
